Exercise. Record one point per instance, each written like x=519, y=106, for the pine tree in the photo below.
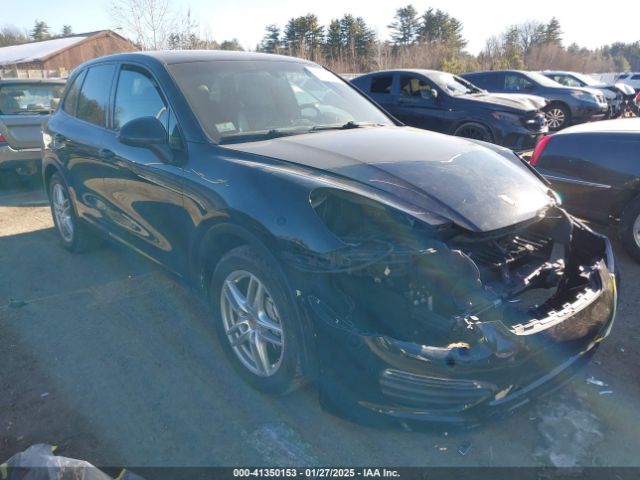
x=271, y=40
x=40, y=31
x=404, y=28
x=67, y=31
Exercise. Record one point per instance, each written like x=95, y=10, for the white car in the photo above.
x=630, y=78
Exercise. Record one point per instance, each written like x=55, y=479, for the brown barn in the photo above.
x=63, y=53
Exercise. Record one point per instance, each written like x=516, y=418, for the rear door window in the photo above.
x=382, y=84
x=94, y=95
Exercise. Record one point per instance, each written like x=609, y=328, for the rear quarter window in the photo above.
x=71, y=100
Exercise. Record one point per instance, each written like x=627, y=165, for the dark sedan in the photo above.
x=414, y=276
x=446, y=103
x=567, y=105
x=596, y=170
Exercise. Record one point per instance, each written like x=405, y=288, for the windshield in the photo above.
x=587, y=80
x=541, y=79
x=453, y=85
x=247, y=100
x=16, y=98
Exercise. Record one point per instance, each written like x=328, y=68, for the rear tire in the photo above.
x=73, y=234
x=630, y=229
x=260, y=333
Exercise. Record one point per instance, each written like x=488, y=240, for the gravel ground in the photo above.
x=110, y=358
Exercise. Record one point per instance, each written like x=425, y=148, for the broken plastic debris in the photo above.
x=464, y=447
x=605, y=392
x=594, y=381
x=44, y=394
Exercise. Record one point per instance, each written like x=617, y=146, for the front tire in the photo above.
x=74, y=235
x=475, y=131
x=630, y=229
x=558, y=116
x=257, y=321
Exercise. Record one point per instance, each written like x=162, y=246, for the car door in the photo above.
x=142, y=188
x=75, y=136
x=381, y=90
x=592, y=172
x=418, y=105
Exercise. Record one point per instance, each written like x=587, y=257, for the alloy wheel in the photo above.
x=252, y=323
x=62, y=211
x=555, y=118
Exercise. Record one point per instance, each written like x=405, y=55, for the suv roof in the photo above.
x=170, y=57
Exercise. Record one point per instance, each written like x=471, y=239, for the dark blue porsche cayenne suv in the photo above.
x=412, y=276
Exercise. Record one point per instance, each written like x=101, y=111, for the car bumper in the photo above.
x=11, y=158
x=590, y=112
x=379, y=380
x=524, y=140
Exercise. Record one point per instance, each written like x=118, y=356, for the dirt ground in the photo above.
x=108, y=357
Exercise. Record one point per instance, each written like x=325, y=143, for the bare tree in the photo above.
x=148, y=22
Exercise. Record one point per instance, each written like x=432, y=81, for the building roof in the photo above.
x=38, y=51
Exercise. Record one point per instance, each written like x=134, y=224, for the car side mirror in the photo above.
x=143, y=132
x=147, y=132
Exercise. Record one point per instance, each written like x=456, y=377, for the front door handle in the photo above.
x=106, y=154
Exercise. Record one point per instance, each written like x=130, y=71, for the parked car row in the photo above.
x=413, y=276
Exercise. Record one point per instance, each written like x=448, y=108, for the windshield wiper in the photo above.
x=345, y=126
x=261, y=135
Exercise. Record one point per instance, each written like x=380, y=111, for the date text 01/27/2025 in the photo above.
x=315, y=472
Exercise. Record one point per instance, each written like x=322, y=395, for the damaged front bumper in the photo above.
x=501, y=361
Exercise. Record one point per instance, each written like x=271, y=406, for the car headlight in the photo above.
x=506, y=117
x=584, y=96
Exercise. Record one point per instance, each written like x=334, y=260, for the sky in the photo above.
x=588, y=24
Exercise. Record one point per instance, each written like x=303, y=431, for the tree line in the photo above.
x=429, y=39
x=434, y=39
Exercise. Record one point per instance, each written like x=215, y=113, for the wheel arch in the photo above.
x=480, y=123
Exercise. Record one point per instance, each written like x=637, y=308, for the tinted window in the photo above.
x=487, y=81
x=414, y=87
x=71, y=99
x=635, y=77
x=137, y=95
x=93, y=98
x=18, y=98
x=381, y=84
x=517, y=83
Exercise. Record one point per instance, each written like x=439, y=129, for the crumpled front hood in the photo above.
x=503, y=103
x=467, y=183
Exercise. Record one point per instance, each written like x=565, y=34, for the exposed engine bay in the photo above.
x=433, y=286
